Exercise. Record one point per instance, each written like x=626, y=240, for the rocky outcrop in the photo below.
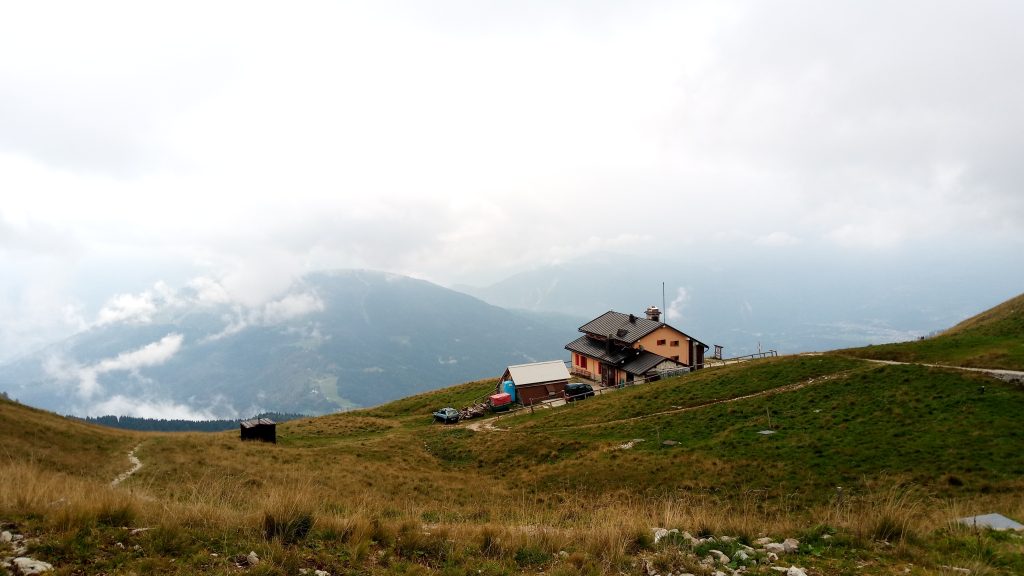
x=19, y=563
x=728, y=557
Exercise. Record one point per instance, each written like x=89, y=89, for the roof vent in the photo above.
x=632, y=319
x=653, y=313
x=622, y=332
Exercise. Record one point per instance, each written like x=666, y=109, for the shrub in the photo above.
x=527, y=556
x=290, y=527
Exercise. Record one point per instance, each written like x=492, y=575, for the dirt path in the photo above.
x=136, y=465
x=486, y=425
x=768, y=392
x=997, y=372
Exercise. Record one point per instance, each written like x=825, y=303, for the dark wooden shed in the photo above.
x=262, y=429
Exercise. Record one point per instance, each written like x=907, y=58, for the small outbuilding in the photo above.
x=262, y=429
x=536, y=381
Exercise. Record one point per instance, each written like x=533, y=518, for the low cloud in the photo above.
x=675, y=307
x=87, y=377
x=138, y=308
x=291, y=306
x=270, y=314
x=119, y=405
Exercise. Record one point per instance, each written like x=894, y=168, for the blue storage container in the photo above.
x=510, y=387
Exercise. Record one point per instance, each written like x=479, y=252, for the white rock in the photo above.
x=659, y=533
x=791, y=545
x=742, y=555
x=30, y=567
x=720, y=556
x=774, y=548
x=763, y=541
x=794, y=571
x=321, y=573
x=252, y=559
x=772, y=557
x=5, y=537
x=726, y=539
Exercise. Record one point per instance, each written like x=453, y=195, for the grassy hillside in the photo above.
x=385, y=491
x=992, y=339
x=28, y=435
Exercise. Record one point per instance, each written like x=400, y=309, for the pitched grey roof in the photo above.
x=538, y=372
x=589, y=347
x=629, y=359
x=645, y=361
x=612, y=322
x=256, y=422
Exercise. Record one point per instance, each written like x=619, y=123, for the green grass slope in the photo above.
x=52, y=442
x=992, y=339
x=386, y=491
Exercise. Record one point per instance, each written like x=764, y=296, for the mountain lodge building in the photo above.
x=618, y=348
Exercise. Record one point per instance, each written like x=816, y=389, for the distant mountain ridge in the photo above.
x=745, y=304
x=335, y=340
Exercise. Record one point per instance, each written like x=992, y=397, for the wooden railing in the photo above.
x=709, y=362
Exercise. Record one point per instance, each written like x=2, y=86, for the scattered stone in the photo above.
x=791, y=545
x=955, y=569
x=669, y=443
x=720, y=556
x=659, y=533
x=726, y=539
x=775, y=548
x=772, y=557
x=766, y=432
x=630, y=444
x=993, y=521
x=763, y=541
x=6, y=537
x=252, y=559
x=30, y=566
x=742, y=555
x=794, y=571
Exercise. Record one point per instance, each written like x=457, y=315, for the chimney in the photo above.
x=632, y=319
x=653, y=313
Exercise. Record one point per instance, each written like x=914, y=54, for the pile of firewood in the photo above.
x=473, y=411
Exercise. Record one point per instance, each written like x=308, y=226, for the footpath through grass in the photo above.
x=992, y=339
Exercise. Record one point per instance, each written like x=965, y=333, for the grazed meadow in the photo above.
x=868, y=465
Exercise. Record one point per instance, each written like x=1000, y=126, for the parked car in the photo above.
x=578, y=391
x=447, y=415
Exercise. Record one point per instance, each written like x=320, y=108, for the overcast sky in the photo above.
x=463, y=141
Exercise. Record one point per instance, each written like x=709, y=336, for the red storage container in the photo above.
x=501, y=399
